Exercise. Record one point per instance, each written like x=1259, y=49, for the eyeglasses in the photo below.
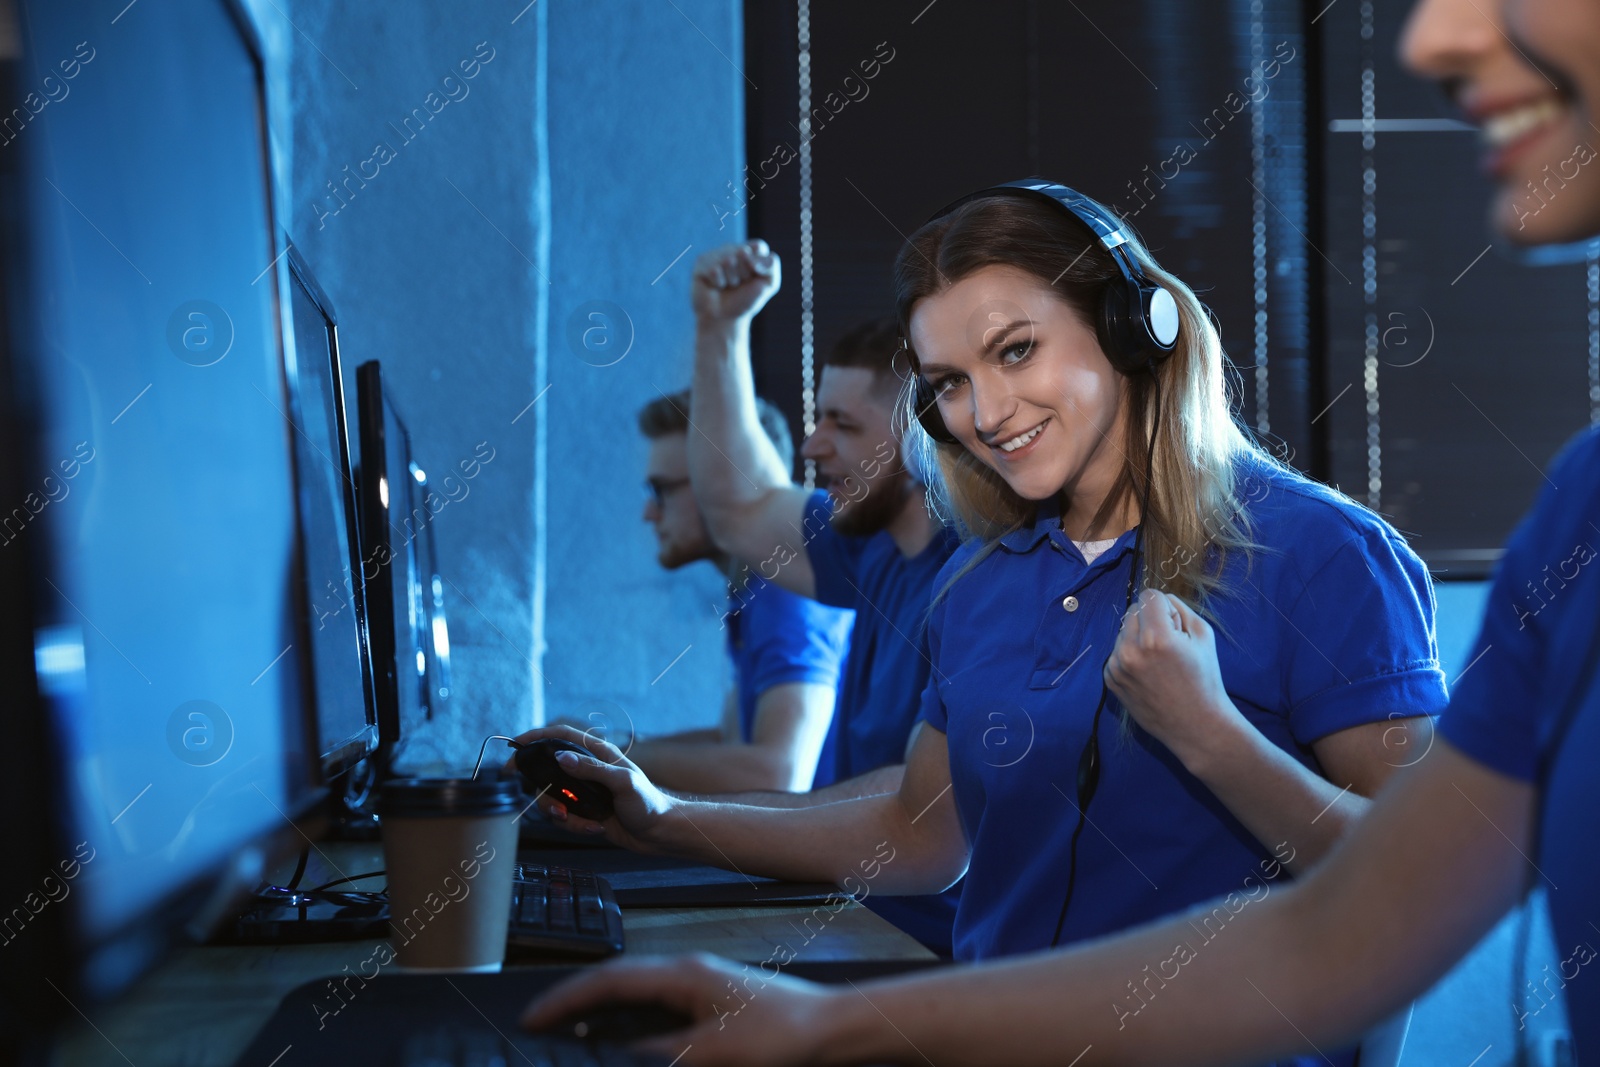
x=656, y=489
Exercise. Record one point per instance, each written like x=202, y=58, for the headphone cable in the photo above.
x=1088, y=777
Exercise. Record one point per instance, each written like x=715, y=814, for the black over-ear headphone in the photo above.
x=1138, y=322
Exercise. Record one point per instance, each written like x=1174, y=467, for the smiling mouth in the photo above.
x=1021, y=440
x=1511, y=125
x=1506, y=133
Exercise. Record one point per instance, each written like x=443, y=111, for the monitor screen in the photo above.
x=156, y=535
x=395, y=596
x=412, y=595
x=346, y=715
x=437, y=641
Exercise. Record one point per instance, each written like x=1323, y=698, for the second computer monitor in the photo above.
x=410, y=643
x=341, y=657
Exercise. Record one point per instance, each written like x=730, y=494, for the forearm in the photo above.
x=600, y=729
x=731, y=461
x=1086, y=1006
x=872, y=784
x=712, y=735
x=712, y=766
x=1279, y=800
x=824, y=843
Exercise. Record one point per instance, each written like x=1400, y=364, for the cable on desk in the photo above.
x=352, y=878
x=299, y=868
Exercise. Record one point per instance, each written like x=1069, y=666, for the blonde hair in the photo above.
x=1196, y=518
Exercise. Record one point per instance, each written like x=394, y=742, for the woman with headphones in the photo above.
x=1188, y=741
x=1098, y=757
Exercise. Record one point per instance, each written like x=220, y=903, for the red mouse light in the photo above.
x=542, y=773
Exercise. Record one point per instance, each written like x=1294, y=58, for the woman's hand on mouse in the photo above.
x=742, y=1014
x=640, y=807
x=1164, y=670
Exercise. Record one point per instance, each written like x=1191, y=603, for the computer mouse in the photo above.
x=621, y=1021
x=541, y=774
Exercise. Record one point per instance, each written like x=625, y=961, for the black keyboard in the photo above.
x=425, y=1020
x=482, y=1047
x=563, y=910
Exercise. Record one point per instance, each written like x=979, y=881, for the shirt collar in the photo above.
x=1025, y=538
x=1047, y=520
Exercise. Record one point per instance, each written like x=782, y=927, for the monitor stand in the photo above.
x=355, y=804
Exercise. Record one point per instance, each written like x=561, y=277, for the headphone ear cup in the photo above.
x=1158, y=310
x=928, y=416
x=1138, y=325
x=1117, y=337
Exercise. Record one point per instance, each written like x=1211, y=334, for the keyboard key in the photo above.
x=564, y=911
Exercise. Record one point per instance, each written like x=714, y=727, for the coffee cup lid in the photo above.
x=444, y=797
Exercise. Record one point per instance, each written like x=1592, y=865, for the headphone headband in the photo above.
x=1107, y=228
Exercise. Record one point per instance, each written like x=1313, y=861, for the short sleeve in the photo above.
x=1361, y=635
x=835, y=557
x=792, y=639
x=1492, y=710
x=1494, y=713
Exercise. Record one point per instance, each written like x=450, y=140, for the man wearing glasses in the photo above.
x=787, y=650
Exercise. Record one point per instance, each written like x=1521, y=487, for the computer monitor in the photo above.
x=347, y=721
x=159, y=744
x=410, y=639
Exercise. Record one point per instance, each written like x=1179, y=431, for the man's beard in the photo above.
x=671, y=557
x=875, y=511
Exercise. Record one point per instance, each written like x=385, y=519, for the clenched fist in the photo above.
x=734, y=282
x=1164, y=670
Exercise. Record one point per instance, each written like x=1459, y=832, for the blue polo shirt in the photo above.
x=1330, y=626
x=1528, y=707
x=884, y=675
x=776, y=637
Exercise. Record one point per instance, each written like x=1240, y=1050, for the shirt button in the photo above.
x=1070, y=603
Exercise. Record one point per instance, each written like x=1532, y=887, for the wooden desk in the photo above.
x=202, y=1007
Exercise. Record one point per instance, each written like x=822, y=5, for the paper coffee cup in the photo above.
x=449, y=845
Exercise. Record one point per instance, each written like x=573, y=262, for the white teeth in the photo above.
x=1506, y=126
x=1021, y=439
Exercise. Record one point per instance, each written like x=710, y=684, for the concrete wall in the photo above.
x=646, y=129
x=456, y=226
